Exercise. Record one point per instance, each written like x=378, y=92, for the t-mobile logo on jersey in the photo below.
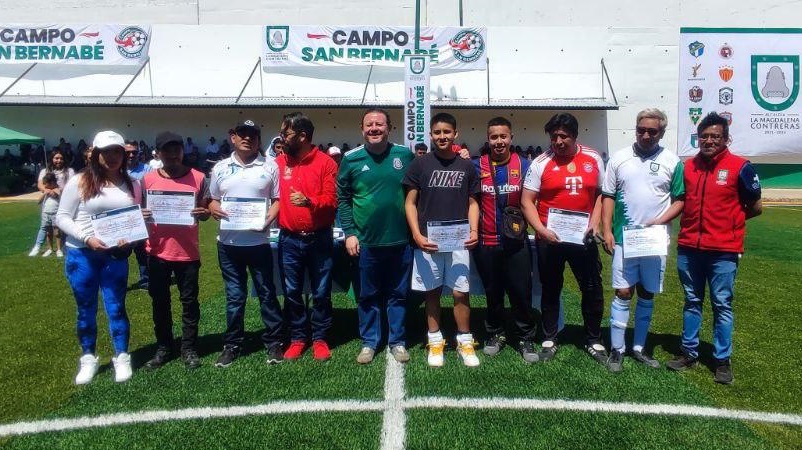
x=572, y=184
x=446, y=178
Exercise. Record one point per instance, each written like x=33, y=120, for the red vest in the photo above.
x=713, y=217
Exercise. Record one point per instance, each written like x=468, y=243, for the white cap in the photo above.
x=333, y=150
x=108, y=139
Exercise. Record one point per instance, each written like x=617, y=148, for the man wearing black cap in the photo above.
x=246, y=174
x=174, y=249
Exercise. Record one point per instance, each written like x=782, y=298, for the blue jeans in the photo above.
x=383, y=280
x=297, y=255
x=717, y=270
x=235, y=263
x=87, y=271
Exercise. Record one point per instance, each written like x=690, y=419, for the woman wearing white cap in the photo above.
x=90, y=264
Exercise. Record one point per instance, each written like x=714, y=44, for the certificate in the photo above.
x=243, y=213
x=640, y=240
x=171, y=207
x=122, y=223
x=449, y=235
x=570, y=226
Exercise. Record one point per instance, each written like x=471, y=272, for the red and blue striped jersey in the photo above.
x=509, y=179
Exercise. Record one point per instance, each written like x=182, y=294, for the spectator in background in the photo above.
x=212, y=148
x=225, y=150
x=335, y=154
x=421, y=149
x=63, y=173
x=345, y=147
x=78, y=162
x=137, y=171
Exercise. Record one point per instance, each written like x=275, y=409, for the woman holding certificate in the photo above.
x=93, y=264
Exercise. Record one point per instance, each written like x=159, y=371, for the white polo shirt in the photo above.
x=231, y=178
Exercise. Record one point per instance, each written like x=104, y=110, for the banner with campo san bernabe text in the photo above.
x=103, y=44
x=749, y=76
x=417, y=107
x=451, y=48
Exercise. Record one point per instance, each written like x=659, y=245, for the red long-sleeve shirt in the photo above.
x=315, y=176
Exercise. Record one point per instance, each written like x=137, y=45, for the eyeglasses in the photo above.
x=711, y=137
x=649, y=131
x=284, y=135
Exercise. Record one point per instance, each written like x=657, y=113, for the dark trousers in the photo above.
x=507, y=269
x=235, y=263
x=586, y=266
x=186, y=276
x=142, y=262
x=298, y=255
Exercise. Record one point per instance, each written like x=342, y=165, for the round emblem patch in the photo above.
x=588, y=167
x=397, y=165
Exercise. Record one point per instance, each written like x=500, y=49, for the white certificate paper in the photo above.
x=243, y=213
x=122, y=223
x=570, y=226
x=171, y=207
x=449, y=235
x=640, y=240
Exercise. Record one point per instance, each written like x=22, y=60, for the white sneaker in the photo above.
x=59, y=253
x=122, y=367
x=87, y=368
x=47, y=253
x=34, y=251
x=435, y=354
x=467, y=352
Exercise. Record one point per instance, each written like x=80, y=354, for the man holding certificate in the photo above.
x=562, y=202
x=176, y=197
x=722, y=192
x=308, y=202
x=443, y=217
x=242, y=187
x=643, y=192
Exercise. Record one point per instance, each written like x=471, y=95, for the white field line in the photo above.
x=42, y=426
x=394, y=423
x=603, y=407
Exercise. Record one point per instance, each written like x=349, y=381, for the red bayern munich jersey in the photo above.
x=566, y=183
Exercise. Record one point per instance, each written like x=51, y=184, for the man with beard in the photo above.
x=308, y=202
x=371, y=206
x=137, y=171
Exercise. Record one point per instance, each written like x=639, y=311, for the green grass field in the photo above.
x=37, y=319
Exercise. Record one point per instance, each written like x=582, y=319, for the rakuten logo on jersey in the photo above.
x=572, y=184
x=505, y=189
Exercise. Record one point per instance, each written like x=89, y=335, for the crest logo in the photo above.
x=725, y=96
x=696, y=48
x=467, y=45
x=277, y=37
x=725, y=72
x=695, y=70
x=397, y=165
x=695, y=94
x=417, y=64
x=775, y=81
x=727, y=115
x=654, y=167
x=131, y=42
x=695, y=140
x=695, y=114
x=721, y=176
x=725, y=51
x=588, y=167
x=515, y=173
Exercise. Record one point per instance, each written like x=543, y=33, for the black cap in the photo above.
x=167, y=137
x=248, y=124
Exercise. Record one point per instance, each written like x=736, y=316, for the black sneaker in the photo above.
x=724, y=373
x=548, y=351
x=615, y=363
x=230, y=353
x=529, y=352
x=645, y=359
x=191, y=359
x=682, y=362
x=598, y=352
x=494, y=345
x=162, y=356
x=275, y=354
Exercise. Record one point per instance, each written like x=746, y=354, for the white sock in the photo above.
x=465, y=338
x=435, y=338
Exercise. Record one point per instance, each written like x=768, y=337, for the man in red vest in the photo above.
x=722, y=192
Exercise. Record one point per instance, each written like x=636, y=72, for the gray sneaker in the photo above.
x=529, y=352
x=365, y=355
x=645, y=359
x=400, y=353
x=615, y=361
x=494, y=345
